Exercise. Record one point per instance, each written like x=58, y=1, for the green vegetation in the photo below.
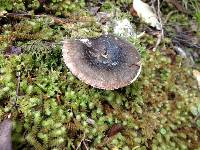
x=54, y=7
x=196, y=7
x=54, y=110
x=53, y=107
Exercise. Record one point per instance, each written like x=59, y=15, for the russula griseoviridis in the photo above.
x=106, y=62
x=5, y=134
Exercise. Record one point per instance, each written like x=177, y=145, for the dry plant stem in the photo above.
x=141, y=35
x=159, y=16
x=161, y=35
x=168, y=16
x=85, y=145
x=195, y=119
x=105, y=141
x=57, y=20
x=25, y=15
x=177, y=5
x=152, y=5
x=18, y=86
x=82, y=141
x=136, y=147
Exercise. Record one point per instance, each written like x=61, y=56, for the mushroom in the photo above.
x=106, y=62
x=5, y=134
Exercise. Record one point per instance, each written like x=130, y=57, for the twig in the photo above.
x=85, y=145
x=195, y=119
x=136, y=147
x=152, y=5
x=82, y=140
x=160, y=19
x=18, y=86
x=57, y=20
x=140, y=35
x=161, y=35
x=169, y=15
x=25, y=15
x=177, y=5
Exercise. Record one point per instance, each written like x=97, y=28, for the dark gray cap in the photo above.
x=5, y=135
x=106, y=62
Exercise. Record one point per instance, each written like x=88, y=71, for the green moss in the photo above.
x=55, y=110
x=5, y=5
x=153, y=98
x=196, y=8
x=57, y=7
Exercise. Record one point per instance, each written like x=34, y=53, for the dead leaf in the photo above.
x=145, y=12
x=116, y=128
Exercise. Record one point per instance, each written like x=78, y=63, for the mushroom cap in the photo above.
x=106, y=62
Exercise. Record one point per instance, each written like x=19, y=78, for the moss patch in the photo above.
x=54, y=110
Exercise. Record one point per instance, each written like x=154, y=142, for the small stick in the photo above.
x=198, y=115
x=161, y=35
x=158, y=41
x=18, y=86
x=140, y=35
x=82, y=140
x=85, y=145
x=169, y=15
x=136, y=147
x=57, y=20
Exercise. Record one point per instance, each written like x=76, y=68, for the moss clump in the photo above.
x=63, y=7
x=56, y=7
x=26, y=32
x=25, y=29
x=56, y=109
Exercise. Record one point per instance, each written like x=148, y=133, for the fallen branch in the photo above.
x=57, y=20
x=25, y=15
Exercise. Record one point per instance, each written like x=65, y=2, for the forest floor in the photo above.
x=50, y=108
